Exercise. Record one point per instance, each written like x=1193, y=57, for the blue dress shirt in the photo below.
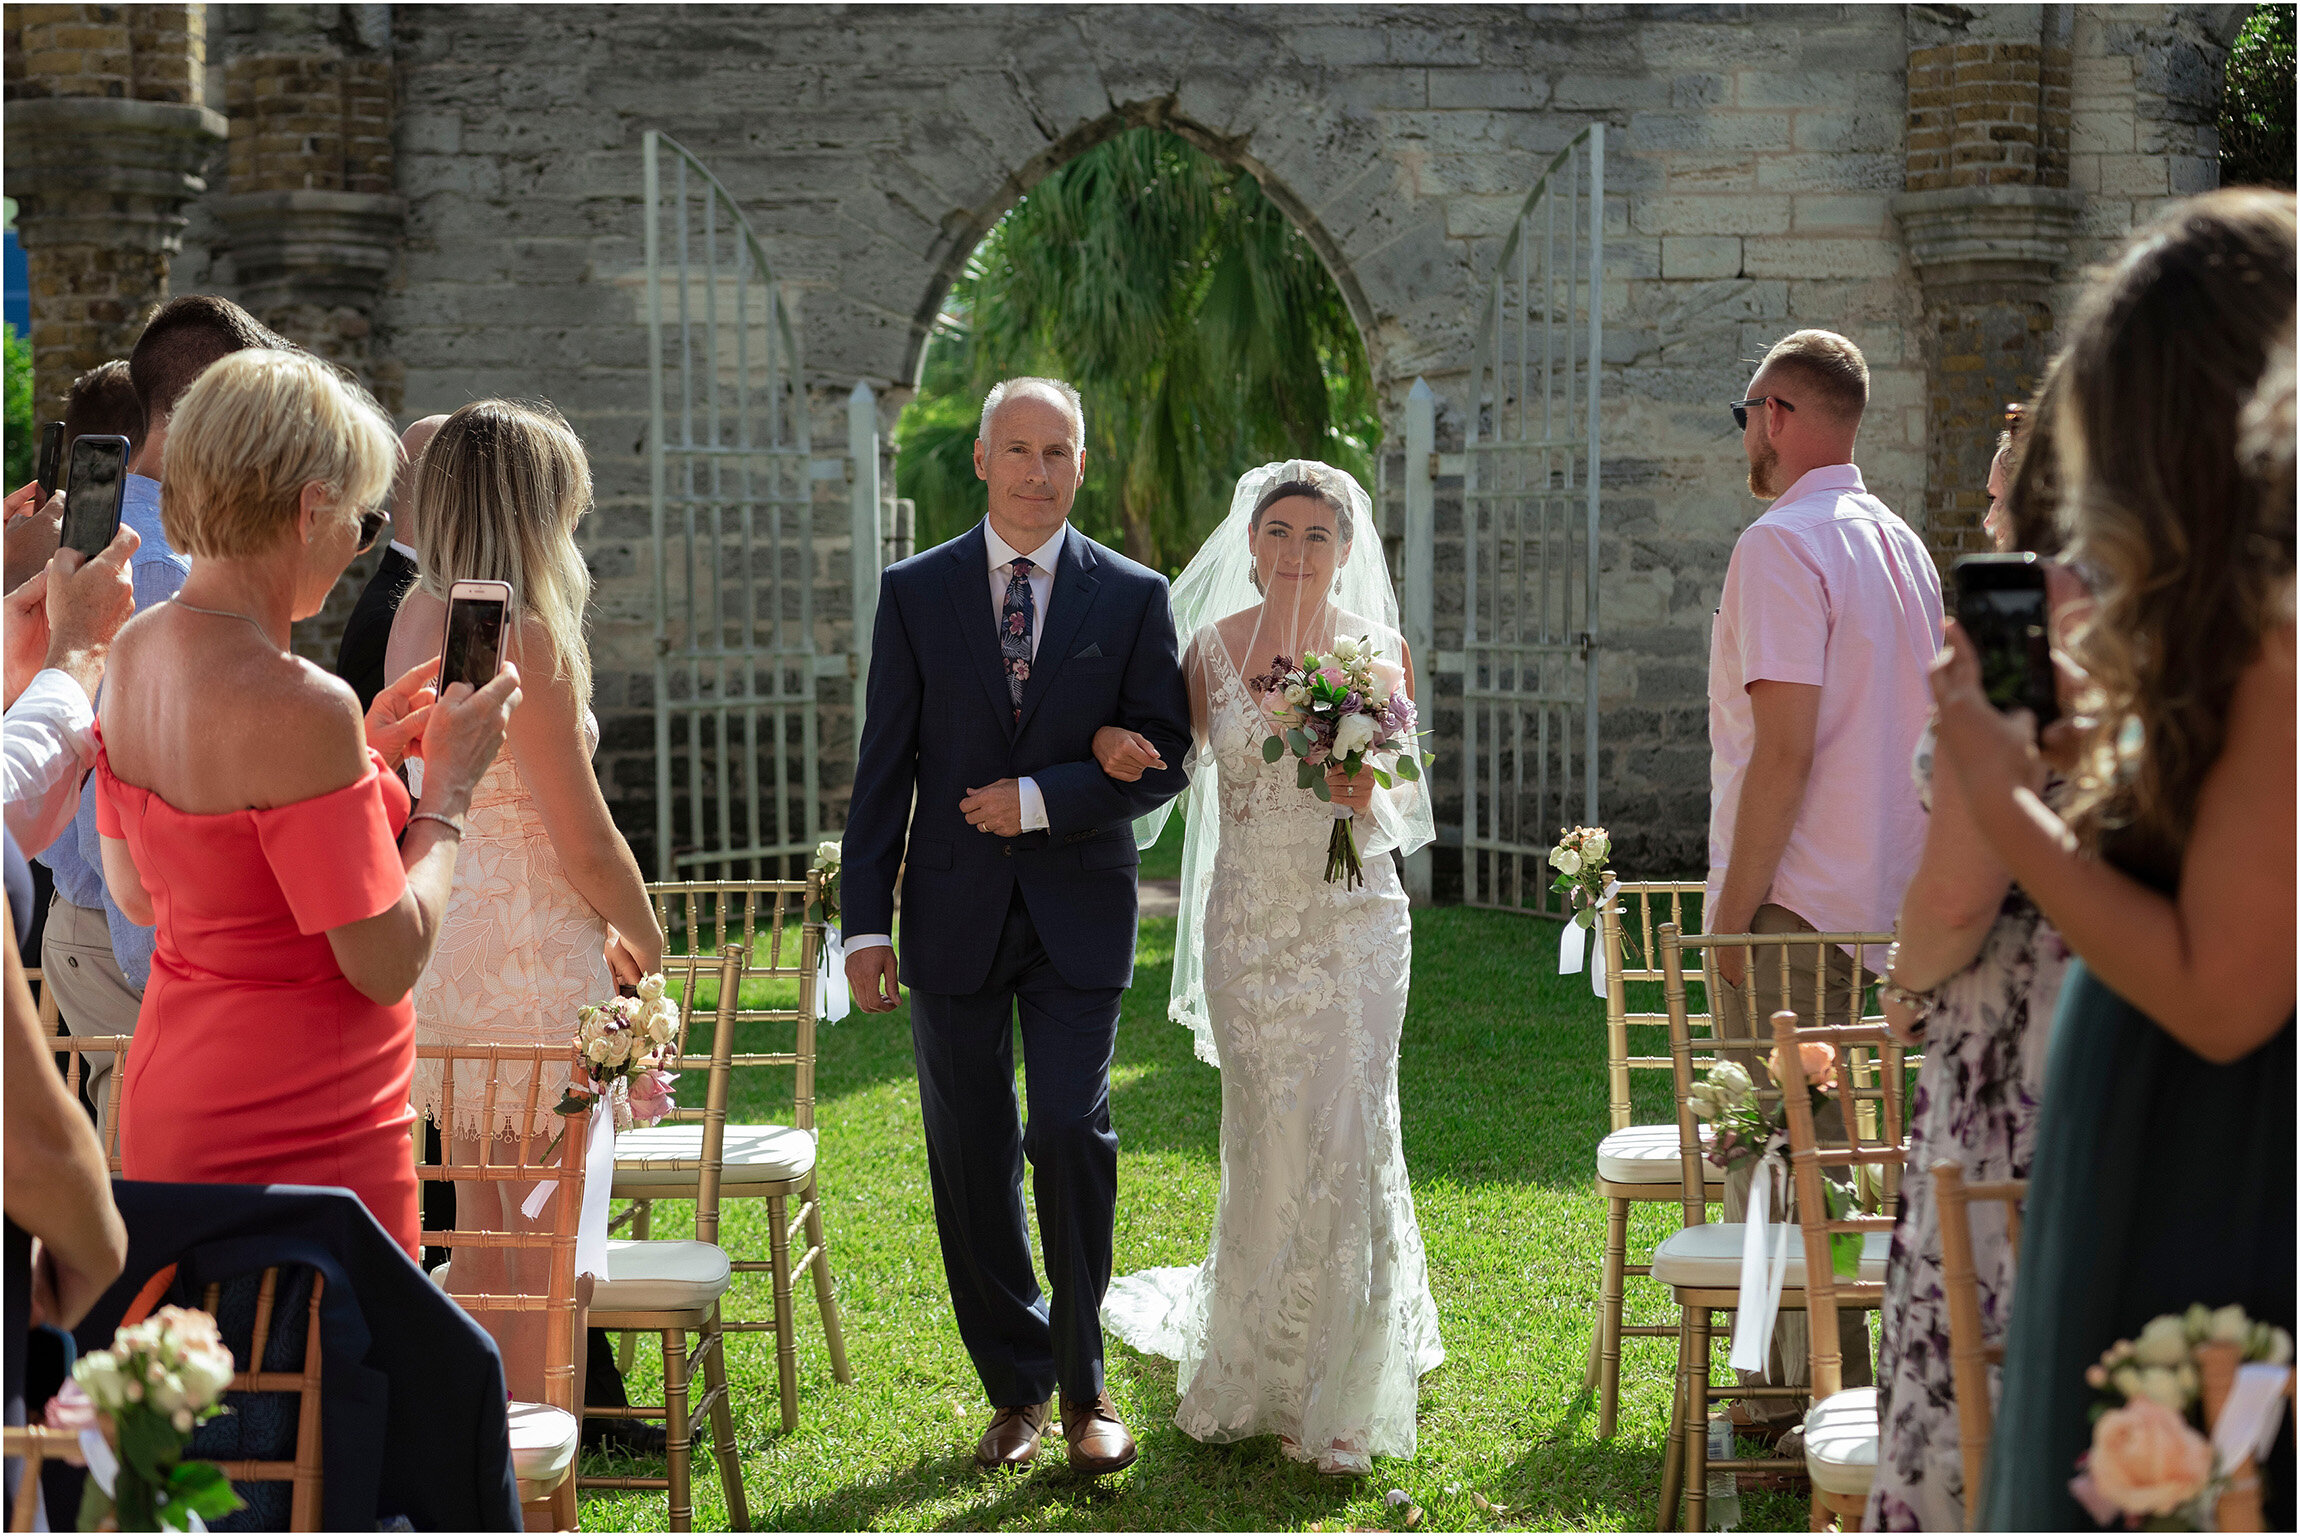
x=77, y=858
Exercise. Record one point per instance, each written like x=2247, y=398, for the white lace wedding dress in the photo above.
x=1311, y=1316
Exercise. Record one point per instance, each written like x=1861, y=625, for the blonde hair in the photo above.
x=253, y=430
x=497, y=496
x=1831, y=364
x=2191, y=555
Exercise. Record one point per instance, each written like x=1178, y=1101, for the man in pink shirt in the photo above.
x=1830, y=619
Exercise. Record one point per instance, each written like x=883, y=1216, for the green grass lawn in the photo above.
x=1503, y=1097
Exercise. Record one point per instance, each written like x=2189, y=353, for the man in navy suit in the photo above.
x=996, y=659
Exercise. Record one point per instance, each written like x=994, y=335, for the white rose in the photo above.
x=2228, y=1325
x=651, y=987
x=167, y=1392
x=1732, y=1075
x=206, y=1373
x=659, y=1030
x=827, y=852
x=2164, y=1342
x=596, y=1050
x=2278, y=1350
x=1354, y=734
x=1595, y=847
x=2162, y=1384
x=1296, y=695
x=1565, y=861
x=98, y=1374
x=1345, y=649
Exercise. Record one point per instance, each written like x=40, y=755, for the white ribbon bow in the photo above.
x=832, y=997
x=598, y=1185
x=1760, y=1300
x=1575, y=938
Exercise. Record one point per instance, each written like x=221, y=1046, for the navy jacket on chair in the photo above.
x=412, y=1416
x=940, y=721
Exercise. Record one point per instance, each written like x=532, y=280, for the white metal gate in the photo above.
x=737, y=732
x=1529, y=539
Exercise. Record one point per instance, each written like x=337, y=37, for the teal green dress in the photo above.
x=2159, y=1180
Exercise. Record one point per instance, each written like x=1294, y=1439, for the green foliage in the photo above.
x=1201, y=328
x=23, y=441
x=2256, y=144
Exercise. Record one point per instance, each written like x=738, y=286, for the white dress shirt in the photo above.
x=1043, y=560
x=48, y=740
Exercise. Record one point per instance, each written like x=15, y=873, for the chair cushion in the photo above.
x=542, y=1446
x=661, y=1275
x=1841, y=1442
x=755, y=1154
x=1709, y=1256
x=1647, y=1154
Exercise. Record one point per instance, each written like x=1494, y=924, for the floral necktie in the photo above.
x=1015, y=623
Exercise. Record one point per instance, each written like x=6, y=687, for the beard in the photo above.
x=1761, y=472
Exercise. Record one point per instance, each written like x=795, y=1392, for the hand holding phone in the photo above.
x=2003, y=607
x=95, y=492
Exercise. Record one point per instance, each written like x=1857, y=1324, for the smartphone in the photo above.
x=2001, y=604
x=471, y=651
x=93, y=492
x=51, y=458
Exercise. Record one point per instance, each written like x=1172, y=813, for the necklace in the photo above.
x=222, y=613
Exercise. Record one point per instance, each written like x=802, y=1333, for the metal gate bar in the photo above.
x=1529, y=536
x=735, y=647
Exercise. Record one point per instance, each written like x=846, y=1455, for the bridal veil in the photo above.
x=1220, y=582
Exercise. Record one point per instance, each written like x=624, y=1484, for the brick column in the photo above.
x=108, y=140
x=1987, y=220
x=310, y=218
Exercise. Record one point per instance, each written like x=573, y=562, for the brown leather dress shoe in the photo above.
x=1098, y=1440
x=1012, y=1439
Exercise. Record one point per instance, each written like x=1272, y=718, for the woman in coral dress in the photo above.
x=250, y=816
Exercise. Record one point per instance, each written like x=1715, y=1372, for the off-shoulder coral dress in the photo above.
x=255, y=1061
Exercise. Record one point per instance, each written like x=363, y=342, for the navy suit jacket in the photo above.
x=940, y=722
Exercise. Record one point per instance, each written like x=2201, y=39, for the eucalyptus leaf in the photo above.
x=1381, y=778
x=1273, y=749
x=1305, y=774
x=1318, y=787
x=1300, y=741
x=1407, y=768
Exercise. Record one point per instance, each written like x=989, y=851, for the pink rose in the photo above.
x=1333, y=677
x=650, y=1093
x=2146, y=1460
x=1819, y=1059
x=70, y=1410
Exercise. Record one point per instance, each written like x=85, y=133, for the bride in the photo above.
x=1310, y=1317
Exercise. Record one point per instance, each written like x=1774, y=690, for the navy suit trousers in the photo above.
x=975, y=1144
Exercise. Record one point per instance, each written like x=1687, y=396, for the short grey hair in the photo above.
x=1004, y=388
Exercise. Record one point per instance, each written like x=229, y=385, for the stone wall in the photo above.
x=1762, y=162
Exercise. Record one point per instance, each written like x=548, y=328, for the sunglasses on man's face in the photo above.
x=372, y=522
x=1740, y=408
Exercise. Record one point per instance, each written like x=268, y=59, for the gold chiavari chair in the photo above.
x=543, y=1435
x=1635, y=1163
x=1970, y=1353
x=1701, y=1261
x=33, y=1445
x=774, y=1163
x=1841, y=1426
x=674, y=1287
x=75, y=1051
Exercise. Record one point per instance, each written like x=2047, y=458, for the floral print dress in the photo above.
x=1975, y=1102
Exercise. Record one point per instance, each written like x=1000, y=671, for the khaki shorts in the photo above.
x=91, y=992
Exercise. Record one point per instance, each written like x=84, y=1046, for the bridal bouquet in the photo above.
x=827, y=862
x=1579, y=859
x=2185, y=1410
x=832, y=1000
x=139, y=1401
x=1334, y=711
x=627, y=1044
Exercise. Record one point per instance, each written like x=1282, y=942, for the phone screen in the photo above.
x=2003, y=608
x=51, y=457
x=474, y=650
x=93, y=495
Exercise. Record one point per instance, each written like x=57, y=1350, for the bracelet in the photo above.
x=1920, y=1003
x=449, y=822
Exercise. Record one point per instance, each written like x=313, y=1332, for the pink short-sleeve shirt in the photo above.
x=1832, y=589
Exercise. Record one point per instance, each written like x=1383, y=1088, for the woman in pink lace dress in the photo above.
x=549, y=909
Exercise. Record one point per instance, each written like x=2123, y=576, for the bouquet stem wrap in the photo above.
x=1342, y=861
